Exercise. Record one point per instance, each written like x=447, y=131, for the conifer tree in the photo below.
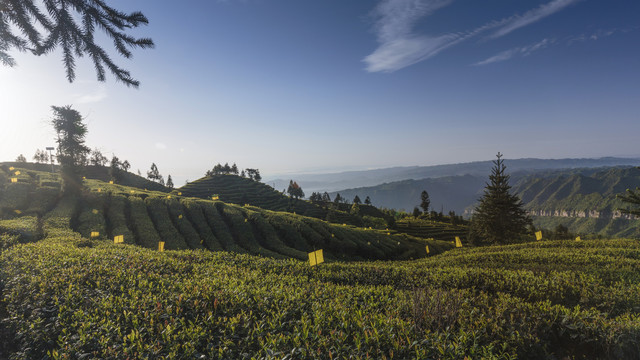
x=367, y=200
x=500, y=217
x=425, y=201
x=40, y=26
x=72, y=152
x=356, y=200
x=632, y=198
x=169, y=182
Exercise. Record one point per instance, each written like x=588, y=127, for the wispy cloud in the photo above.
x=400, y=47
x=517, y=21
x=518, y=51
x=96, y=96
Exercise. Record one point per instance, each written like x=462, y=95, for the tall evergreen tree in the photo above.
x=425, y=201
x=169, y=182
x=356, y=200
x=40, y=26
x=500, y=217
x=72, y=152
x=367, y=200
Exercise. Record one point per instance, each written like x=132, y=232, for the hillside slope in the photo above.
x=145, y=218
x=586, y=203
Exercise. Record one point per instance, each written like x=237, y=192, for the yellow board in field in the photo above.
x=333, y=235
x=17, y=212
x=246, y=220
x=168, y=196
x=133, y=191
x=161, y=246
x=538, y=235
x=17, y=172
x=99, y=190
x=316, y=257
x=215, y=197
x=388, y=233
x=14, y=180
x=95, y=234
x=427, y=249
x=180, y=216
x=179, y=193
x=458, y=242
x=578, y=238
x=94, y=211
x=119, y=239
x=111, y=182
x=11, y=168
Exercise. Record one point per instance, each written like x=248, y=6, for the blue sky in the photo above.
x=309, y=86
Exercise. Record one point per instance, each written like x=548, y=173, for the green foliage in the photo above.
x=162, y=220
x=499, y=218
x=72, y=152
x=199, y=221
x=182, y=223
x=543, y=300
x=92, y=217
x=117, y=210
x=42, y=26
x=142, y=226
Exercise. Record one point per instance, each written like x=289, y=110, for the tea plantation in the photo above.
x=66, y=295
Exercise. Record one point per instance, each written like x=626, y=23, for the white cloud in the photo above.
x=96, y=96
x=532, y=16
x=519, y=51
x=398, y=46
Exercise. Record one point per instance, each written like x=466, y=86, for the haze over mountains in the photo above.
x=332, y=182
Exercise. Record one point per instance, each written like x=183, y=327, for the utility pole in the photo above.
x=50, y=156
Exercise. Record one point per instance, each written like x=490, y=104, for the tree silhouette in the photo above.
x=40, y=26
x=169, y=182
x=500, y=217
x=72, y=152
x=425, y=201
x=154, y=174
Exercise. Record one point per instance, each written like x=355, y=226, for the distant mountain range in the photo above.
x=332, y=182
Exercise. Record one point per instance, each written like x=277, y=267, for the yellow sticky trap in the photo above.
x=201, y=242
x=458, y=242
x=168, y=196
x=214, y=198
x=14, y=180
x=99, y=190
x=161, y=246
x=133, y=191
x=387, y=229
x=578, y=238
x=538, y=235
x=11, y=168
x=246, y=220
x=369, y=227
x=316, y=258
x=119, y=239
x=398, y=242
x=94, y=211
x=179, y=193
x=95, y=234
x=84, y=178
x=111, y=182
x=344, y=224
x=180, y=216
x=332, y=235
x=17, y=172
x=427, y=249
x=17, y=211
x=368, y=242
x=388, y=233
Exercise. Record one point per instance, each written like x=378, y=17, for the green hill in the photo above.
x=584, y=202
x=146, y=217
